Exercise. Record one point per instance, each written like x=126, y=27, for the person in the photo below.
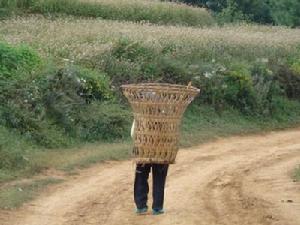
x=141, y=186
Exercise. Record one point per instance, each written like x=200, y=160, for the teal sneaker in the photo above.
x=158, y=211
x=141, y=211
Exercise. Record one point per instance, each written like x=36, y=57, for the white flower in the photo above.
x=66, y=60
x=207, y=74
x=197, y=77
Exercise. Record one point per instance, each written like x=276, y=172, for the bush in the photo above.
x=286, y=12
x=103, y=122
x=45, y=105
x=279, y=12
x=249, y=88
x=15, y=61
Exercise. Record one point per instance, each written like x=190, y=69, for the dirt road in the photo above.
x=232, y=181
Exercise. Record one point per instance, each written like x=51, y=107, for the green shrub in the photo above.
x=130, y=62
x=43, y=105
x=232, y=13
x=286, y=12
x=238, y=89
x=285, y=111
x=13, y=4
x=33, y=126
x=15, y=61
x=248, y=88
x=288, y=75
x=103, y=122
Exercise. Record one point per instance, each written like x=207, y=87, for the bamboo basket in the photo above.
x=158, y=109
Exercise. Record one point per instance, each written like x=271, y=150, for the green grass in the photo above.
x=14, y=196
x=67, y=159
x=296, y=174
x=202, y=123
x=130, y=10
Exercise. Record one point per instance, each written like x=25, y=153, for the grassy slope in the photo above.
x=130, y=10
x=85, y=39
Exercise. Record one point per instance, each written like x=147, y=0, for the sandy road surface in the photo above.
x=232, y=181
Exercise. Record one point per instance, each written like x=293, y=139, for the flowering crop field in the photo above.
x=128, y=10
x=85, y=39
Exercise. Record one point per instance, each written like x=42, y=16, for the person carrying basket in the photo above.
x=141, y=186
x=158, y=109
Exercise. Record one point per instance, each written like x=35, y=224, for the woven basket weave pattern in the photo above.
x=158, y=109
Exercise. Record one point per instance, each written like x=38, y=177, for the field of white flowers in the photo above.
x=78, y=39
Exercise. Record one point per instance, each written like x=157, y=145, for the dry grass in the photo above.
x=86, y=38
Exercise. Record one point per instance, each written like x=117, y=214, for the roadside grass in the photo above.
x=68, y=159
x=296, y=174
x=203, y=123
x=156, y=12
x=200, y=124
x=83, y=156
x=14, y=196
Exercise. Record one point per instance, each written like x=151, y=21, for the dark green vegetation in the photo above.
x=279, y=12
x=137, y=11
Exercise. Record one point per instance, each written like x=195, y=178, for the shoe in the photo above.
x=158, y=211
x=141, y=211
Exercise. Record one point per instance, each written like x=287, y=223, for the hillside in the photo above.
x=62, y=63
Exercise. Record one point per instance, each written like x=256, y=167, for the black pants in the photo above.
x=141, y=187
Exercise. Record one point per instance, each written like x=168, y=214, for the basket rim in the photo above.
x=160, y=86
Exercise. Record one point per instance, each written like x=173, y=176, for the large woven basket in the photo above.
x=158, y=109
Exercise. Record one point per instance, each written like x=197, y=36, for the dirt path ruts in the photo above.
x=233, y=181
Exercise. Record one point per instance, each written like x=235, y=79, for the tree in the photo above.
x=286, y=12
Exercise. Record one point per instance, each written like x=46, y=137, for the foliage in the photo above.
x=248, y=88
x=15, y=61
x=53, y=104
x=288, y=75
x=286, y=12
x=105, y=122
x=280, y=12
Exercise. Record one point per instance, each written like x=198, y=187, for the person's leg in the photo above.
x=141, y=187
x=159, y=172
